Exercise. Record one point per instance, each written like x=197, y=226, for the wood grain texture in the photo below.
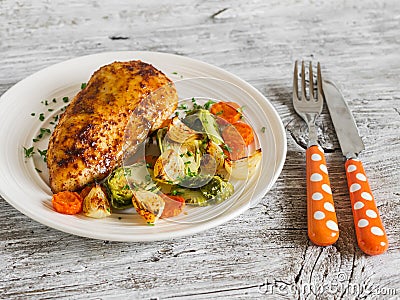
x=263, y=253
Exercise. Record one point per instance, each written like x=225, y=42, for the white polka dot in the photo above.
x=358, y=205
x=323, y=168
x=370, y=213
x=329, y=207
x=317, y=196
x=366, y=196
x=362, y=223
x=332, y=225
x=351, y=168
x=326, y=188
x=333, y=234
x=355, y=187
x=319, y=215
x=316, y=157
x=377, y=231
x=361, y=177
x=316, y=177
x=383, y=243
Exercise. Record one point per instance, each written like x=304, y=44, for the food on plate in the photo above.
x=122, y=145
x=92, y=135
x=66, y=202
x=174, y=205
x=95, y=203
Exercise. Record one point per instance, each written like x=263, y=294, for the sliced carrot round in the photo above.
x=245, y=131
x=66, y=202
x=226, y=110
x=235, y=147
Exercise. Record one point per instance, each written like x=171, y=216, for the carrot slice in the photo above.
x=173, y=205
x=66, y=202
x=235, y=147
x=245, y=131
x=226, y=110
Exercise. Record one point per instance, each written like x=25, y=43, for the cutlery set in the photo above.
x=321, y=217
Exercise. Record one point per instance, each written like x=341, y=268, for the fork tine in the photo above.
x=319, y=82
x=303, y=83
x=295, y=87
x=311, y=86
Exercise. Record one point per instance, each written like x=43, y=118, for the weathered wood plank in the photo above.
x=264, y=252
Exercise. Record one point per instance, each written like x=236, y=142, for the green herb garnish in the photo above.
x=262, y=129
x=65, y=99
x=38, y=170
x=41, y=117
x=208, y=104
x=83, y=85
x=28, y=152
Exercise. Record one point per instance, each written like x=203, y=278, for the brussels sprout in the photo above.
x=217, y=190
x=95, y=204
x=118, y=189
x=120, y=181
x=180, y=133
x=192, y=197
x=169, y=167
x=148, y=204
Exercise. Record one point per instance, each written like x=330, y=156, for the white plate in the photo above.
x=28, y=191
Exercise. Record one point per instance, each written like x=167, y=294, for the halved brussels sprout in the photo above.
x=148, y=204
x=192, y=197
x=169, y=167
x=180, y=133
x=217, y=190
x=118, y=189
x=95, y=204
x=123, y=179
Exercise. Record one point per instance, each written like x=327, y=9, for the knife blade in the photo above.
x=371, y=235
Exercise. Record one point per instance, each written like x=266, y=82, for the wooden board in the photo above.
x=265, y=252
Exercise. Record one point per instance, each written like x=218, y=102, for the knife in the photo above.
x=371, y=235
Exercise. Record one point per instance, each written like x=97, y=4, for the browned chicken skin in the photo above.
x=121, y=103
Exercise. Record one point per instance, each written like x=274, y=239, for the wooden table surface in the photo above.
x=265, y=252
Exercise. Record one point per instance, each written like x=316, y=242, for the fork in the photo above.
x=321, y=215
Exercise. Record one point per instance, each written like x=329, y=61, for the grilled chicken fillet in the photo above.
x=120, y=105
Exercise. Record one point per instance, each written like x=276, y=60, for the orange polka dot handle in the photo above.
x=371, y=235
x=321, y=216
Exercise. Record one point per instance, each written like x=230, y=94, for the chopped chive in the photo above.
x=182, y=106
x=41, y=117
x=33, y=114
x=177, y=113
x=189, y=153
x=262, y=129
x=193, y=100
x=175, y=73
x=52, y=123
x=65, y=99
x=50, y=109
x=83, y=85
x=38, y=170
x=54, y=100
x=219, y=113
x=35, y=140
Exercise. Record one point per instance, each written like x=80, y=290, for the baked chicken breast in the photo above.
x=108, y=119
